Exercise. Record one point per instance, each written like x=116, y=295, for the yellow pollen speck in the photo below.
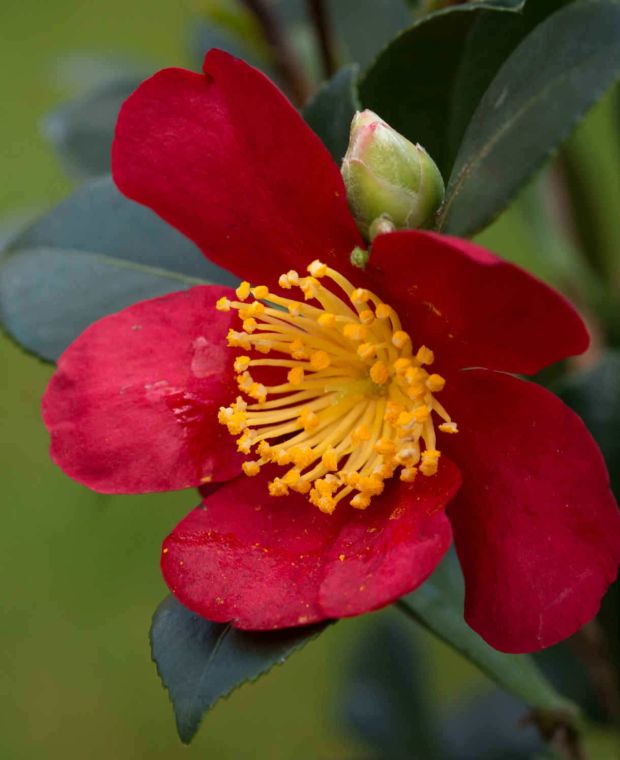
x=341, y=557
x=348, y=403
x=243, y=291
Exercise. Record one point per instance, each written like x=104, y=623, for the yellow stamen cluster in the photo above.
x=355, y=403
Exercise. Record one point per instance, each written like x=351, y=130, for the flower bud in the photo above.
x=390, y=181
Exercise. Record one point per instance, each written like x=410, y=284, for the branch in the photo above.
x=289, y=67
x=317, y=9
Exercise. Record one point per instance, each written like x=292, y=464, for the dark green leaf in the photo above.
x=81, y=130
x=330, y=111
x=200, y=662
x=422, y=79
x=94, y=254
x=539, y=94
x=387, y=700
x=438, y=606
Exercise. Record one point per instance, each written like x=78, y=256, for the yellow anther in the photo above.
x=392, y=411
x=401, y=365
x=360, y=501
x=278, y=487
x=327, y=320
x=293, y=277
x=360, y=296
x=302, y=486
x=297, y=349
x=361, y=433
x=355, y=331
x=258, y=391
x=255, y=309
x=408, y=456
x=243, y=291
x=421, y=413
x=385, y=446
x=415, y=375
x=250, y=468
x=408, y=474
x=330, y=459
x=302, y=456
x=366, y=316
x=265, y=451
x=404, y=419
x=308, y=420
x=284, y=282
x=222, y=304
x=244, y=381
x=366, y=351
x=317, y=268
x=291, y=477
x=449, y=427
x=435, y=383
x=282, y=457
x=260, y=291
x=245, y=443
x=242, y=363
x=425, y=355
x=294, y=308
x=320, y=360
x=430, y=462
x=400, y=339
x=249, y=325
x=379, y=373
x=310, y=287
x=296, y=376
x=383, y=311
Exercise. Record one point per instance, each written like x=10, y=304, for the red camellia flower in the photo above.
x=308, y=402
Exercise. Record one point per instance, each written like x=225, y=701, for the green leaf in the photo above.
x=94, y=254
x=438, y=606
x=595, y=395
x=538, y=96
x=82, y=129
x=330, y=111
x=423, y=80
x=389, y=683
x=200, y=662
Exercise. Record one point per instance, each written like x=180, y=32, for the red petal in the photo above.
x=536, y=527
x=228, y=161
x=472, y=308
x=133, y=405
x=265, y=562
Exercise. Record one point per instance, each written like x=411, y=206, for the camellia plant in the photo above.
x=346, y=384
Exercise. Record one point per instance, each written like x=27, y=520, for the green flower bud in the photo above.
x=391, y=183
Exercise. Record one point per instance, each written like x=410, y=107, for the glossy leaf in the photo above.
x=94, y=254
x=533, y=103
x=438, y=606
x=330, y=111
x=200, y=662
x=82, y=130
x=423, y=76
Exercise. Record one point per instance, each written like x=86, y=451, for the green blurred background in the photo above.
x=80, y=575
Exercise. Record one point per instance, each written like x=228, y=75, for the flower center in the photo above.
x=356, y=403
